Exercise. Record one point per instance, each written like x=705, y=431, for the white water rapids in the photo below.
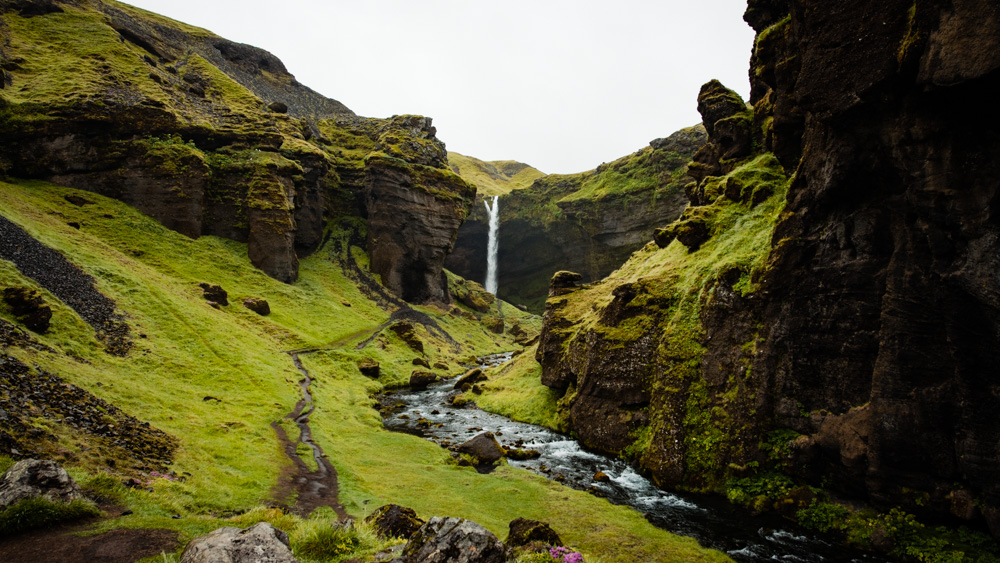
x=493, y=244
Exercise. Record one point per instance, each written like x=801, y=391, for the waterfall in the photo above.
x=493, y=244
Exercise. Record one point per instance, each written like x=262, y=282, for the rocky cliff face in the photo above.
x=589, y=223
x=867, y=324
x=208, y=136
x=882, y=306
x=415, y=208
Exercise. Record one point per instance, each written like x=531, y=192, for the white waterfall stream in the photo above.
x=493, y=244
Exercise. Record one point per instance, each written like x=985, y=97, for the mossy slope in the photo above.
x=187, y=351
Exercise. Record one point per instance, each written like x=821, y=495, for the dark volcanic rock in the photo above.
x=453, y=540
x=523, y=532
x=260, y=542
x=873, y=333
x=471, y=377
x=30, y=478
x=420, y=379
x=484, y=448
x=70, y=284
x=413, y=215
x=887, y=301
x=257, y=305
x=369, y=368
x=134, y=443
x=394, y=521
x=214, y=293
x=29, y=308
x=406, y=331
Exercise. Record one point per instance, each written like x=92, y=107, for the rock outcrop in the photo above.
x=589, y=223
x=29, y=308
x=30, y=478
x=882, y=304
x=394, y=521
x=415, y=207
x=858, y=337
x=260, y=542
x=453, y=540
x=524, y=532
x=211, y=137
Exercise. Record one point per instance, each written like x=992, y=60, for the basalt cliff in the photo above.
x=212, y=137
x=828, y=305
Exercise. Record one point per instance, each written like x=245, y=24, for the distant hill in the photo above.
x=497, y=177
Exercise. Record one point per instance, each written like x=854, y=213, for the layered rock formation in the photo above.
x=589, y=222
x=882, y=307
x=415, y=208
x=209, y=137
x=867, y=325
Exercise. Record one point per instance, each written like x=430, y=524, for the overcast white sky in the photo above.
x=562, y=85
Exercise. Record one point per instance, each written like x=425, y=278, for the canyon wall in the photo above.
x=855, y=348
x=211, y=137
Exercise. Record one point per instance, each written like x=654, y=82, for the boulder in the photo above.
x=259, y=543
x=32, y=478
x=563, y=282
x=394, y=521
x=420, y=379
x=523, y=532
x=29, y=308
x=453, y=540
x=408, y=334
x=421, y=362
x=522, y=455
x=278, y=107
x=257, y=305
x=214, y=293
x=484, y=448
x=369, y=368
x=473, y=376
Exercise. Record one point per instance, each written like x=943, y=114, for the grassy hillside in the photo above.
x=186, y=350
x=497, y=177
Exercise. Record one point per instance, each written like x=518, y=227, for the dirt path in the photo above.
x=313, y=488
x=59, y=544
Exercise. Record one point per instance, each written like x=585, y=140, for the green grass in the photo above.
x=39, y=512
x=493, y=178
x=191, y=350
x=515, y=390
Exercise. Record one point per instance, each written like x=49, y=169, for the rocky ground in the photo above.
x=67, y=282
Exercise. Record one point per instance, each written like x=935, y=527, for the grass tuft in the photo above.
x=39, y=512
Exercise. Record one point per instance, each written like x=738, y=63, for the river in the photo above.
x=711, y=520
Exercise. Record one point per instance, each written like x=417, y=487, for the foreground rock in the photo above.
x=524, y=531
x=420, y=379
x=257, y=305
x=32, y=478
x=453, y=540
x=258, y=544
x=484, y=448
x=394, y=521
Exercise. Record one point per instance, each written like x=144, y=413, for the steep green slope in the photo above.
x=187, y=351
x=493, y=178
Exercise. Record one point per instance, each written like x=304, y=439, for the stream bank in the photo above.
x=711, y=520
